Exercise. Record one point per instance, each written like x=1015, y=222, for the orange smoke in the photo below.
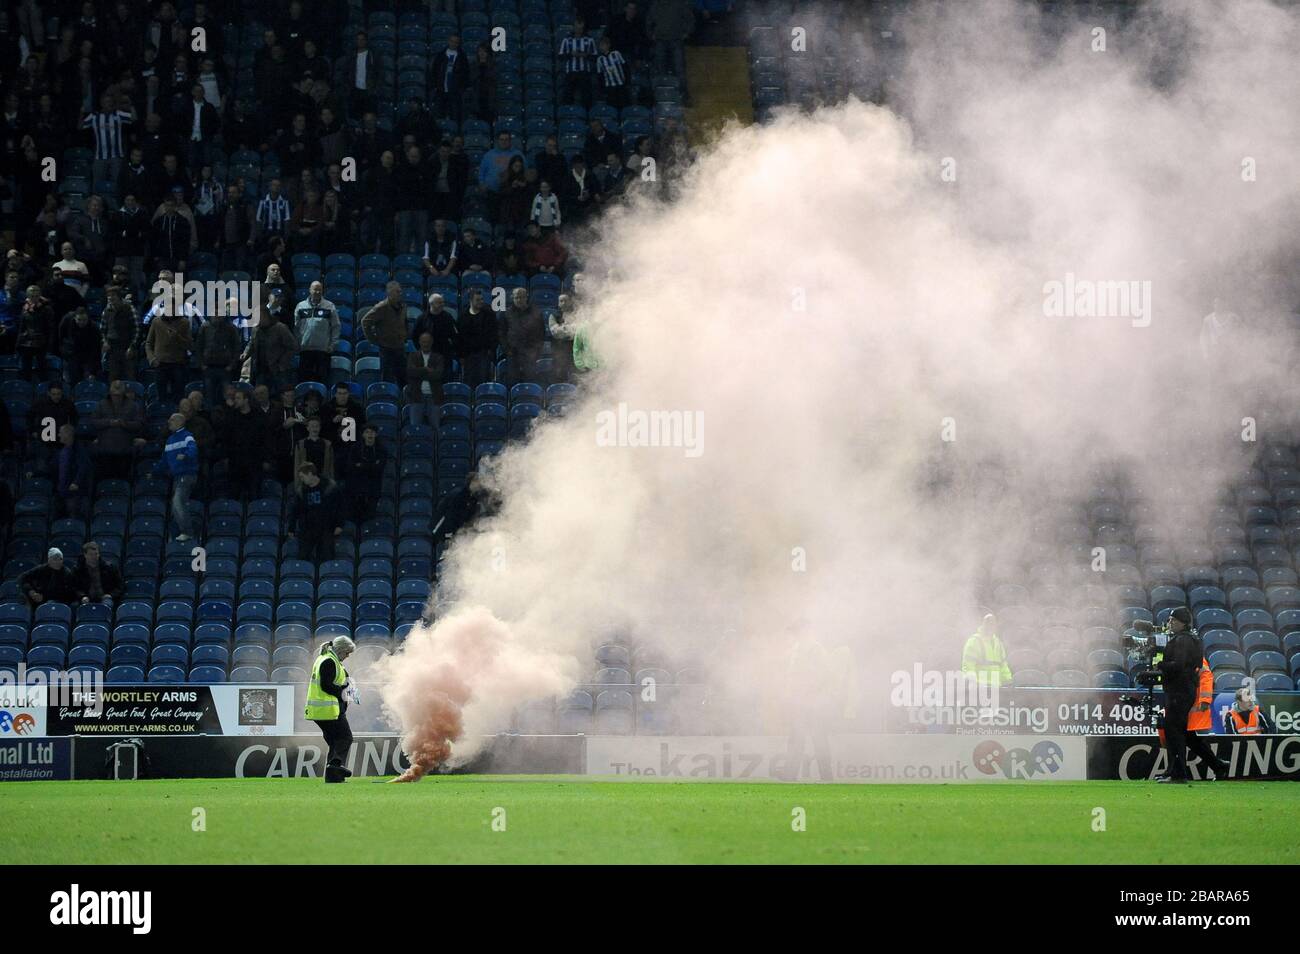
x=459, y=679
x=427, y=743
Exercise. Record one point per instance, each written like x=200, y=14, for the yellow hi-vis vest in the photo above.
x=321, y=706
x=987, y=661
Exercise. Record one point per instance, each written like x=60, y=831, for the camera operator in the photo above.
x=1180, y=674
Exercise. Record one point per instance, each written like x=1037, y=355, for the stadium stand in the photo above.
x=292, y=150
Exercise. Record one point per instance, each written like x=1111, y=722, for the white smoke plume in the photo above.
x=889, y=419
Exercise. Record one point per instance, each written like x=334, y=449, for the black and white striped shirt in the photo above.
x=107, y=130
x=577, y=53
x=273, y=213
x=612, y=68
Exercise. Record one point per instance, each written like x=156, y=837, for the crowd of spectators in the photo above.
x=122, y=125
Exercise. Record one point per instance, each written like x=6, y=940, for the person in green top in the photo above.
x=984, y=656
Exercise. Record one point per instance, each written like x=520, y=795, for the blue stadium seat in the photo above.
x=248, y=674
x=94, y=613
x=207, y=674
x=46, y=655
x=614, y=712
x=210, y=655
x=574, y=713
x=87, y=634
x=254, y=611
x=124, y=675
x=167, y=674
x=292, y=634
x=170, y=654
x=54, y=613
x=291, y=655
x=212, y=633
x=294, y=611
x=250, y=655
x=86, y=654
x=51, y=634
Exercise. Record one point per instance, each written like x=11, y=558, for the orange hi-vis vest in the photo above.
x=1248, y=725
x=1198, y=720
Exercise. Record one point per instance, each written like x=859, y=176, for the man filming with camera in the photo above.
x=1182, y=676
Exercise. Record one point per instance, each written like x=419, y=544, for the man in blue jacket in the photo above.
x=71, y=475
x=180, y=460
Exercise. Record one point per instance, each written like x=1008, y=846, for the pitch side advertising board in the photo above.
x=147, y=710
x=35, y=760
x=1259, y=756
x=839, y=758
x=1074, y=712
x=304, y=756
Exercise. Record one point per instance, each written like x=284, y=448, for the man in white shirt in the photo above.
x=75, y=273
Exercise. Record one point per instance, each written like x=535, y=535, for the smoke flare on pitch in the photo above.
x=450, y=682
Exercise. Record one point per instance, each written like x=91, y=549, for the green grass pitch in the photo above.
x=450, y=819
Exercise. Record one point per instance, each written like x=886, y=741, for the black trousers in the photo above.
x=1201, y=749
x=1177, y=708
x=316, y=544
x=338, y=736
x=314, y=366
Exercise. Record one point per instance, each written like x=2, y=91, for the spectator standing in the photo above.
x=334, y=416
x=627, y=33
x=385, y=326
x=45, y=421
x=119, y=422
x=483, y=81
x=581, y=191
x=245, y=443
x=448, y=78
x=669, y=23
x=479, y=340
x=363, y=471
x=492, y=167
x=167, y=349
x=81, y=346
x=270, y=351
x=286, y=426
x=218, y=348
x=424, y=374
x=170, y=237
x=612, y=68
x=546, y=207
x=36, y=329
x=272, y=215
x=314, y=515
x=72, y=476
x=412, y=201
x=317, y=327
x=525, y=334
x=120, y=328
x=315, y=450
x=577, y=56
x=180, y=460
